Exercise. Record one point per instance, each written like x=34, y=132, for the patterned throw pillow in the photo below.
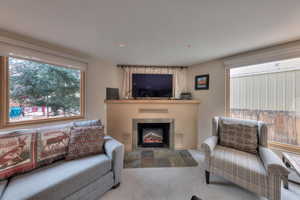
x=52, y=145
x=17, y=153
x=239, y=136
x=85, y=141
x=87, y=123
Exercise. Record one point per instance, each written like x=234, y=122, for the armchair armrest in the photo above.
x=272, y=162
x=209, y=144
x=115, y=151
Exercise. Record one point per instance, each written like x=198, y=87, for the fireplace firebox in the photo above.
x=154, y=135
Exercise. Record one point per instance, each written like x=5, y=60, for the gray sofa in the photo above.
x=86, y=178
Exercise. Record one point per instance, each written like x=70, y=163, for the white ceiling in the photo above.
x=156, y=32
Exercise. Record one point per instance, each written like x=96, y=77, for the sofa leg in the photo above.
x=116, y=186
x=207, y=177
x=286, y=182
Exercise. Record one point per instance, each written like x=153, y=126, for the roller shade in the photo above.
x=9, y=47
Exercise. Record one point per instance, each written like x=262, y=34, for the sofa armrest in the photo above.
x=115, y=151
x=272, y=162
x=209, y=144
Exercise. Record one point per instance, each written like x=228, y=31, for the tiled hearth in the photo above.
x=159, y=158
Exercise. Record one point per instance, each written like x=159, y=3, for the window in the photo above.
x=269, y=92
x=35, y=92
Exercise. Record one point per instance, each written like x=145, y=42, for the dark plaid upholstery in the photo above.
x=239, y=136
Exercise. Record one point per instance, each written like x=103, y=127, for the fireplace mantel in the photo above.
x=121, y=115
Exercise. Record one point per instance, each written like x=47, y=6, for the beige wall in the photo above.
x=212, y=100
x=100, y=75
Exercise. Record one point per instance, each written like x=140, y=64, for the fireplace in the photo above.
x=154, y=135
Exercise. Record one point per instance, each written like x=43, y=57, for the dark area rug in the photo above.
x=159, y=158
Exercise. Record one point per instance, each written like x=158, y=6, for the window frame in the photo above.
x=4, y=98
x=271, y=144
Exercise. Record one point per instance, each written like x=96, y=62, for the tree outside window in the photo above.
x=40, y=91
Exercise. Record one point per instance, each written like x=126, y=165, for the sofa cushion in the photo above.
x=58, y=180
x=52, y=144
x=85, y=141
x=244, y=169
x=238, y=135
x=94, y=190
x=3, y=185
x=88, y=123
x=17, y=153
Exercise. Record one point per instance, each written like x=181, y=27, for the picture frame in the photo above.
x=202, y=82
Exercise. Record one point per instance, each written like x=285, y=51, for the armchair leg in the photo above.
x=207, y=177
x=116, y=186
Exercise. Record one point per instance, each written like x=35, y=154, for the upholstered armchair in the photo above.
x=261, y=172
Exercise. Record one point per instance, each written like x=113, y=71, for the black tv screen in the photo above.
x=152, y=85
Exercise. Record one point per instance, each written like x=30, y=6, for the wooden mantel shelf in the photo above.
x=151, y=101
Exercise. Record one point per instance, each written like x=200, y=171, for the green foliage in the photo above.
x=38, y=84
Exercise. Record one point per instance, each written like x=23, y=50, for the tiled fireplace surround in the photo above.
x=135, y=123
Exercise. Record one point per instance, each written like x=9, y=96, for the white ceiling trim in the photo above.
x=21, y=49
x=276, y=53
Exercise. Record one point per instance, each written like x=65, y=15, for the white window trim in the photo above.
x=21, y=49
x=279, y=52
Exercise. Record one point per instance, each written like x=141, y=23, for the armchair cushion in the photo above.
x=240, y=136
x=245, y=169
x=272, y=162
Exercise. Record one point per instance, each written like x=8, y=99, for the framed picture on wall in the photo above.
x=202, y=82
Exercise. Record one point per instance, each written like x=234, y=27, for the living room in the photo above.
x=141, y=99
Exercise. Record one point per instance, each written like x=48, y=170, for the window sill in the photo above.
x=284, y=147
x=42, y=121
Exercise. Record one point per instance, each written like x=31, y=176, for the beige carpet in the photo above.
x=181, y=183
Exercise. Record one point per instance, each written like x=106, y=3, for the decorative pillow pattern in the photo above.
x=17, y=153
x=239, y=136
x=85, y=141
x=88, y=123
x=52, y=145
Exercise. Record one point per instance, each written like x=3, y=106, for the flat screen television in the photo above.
x=152, y=85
